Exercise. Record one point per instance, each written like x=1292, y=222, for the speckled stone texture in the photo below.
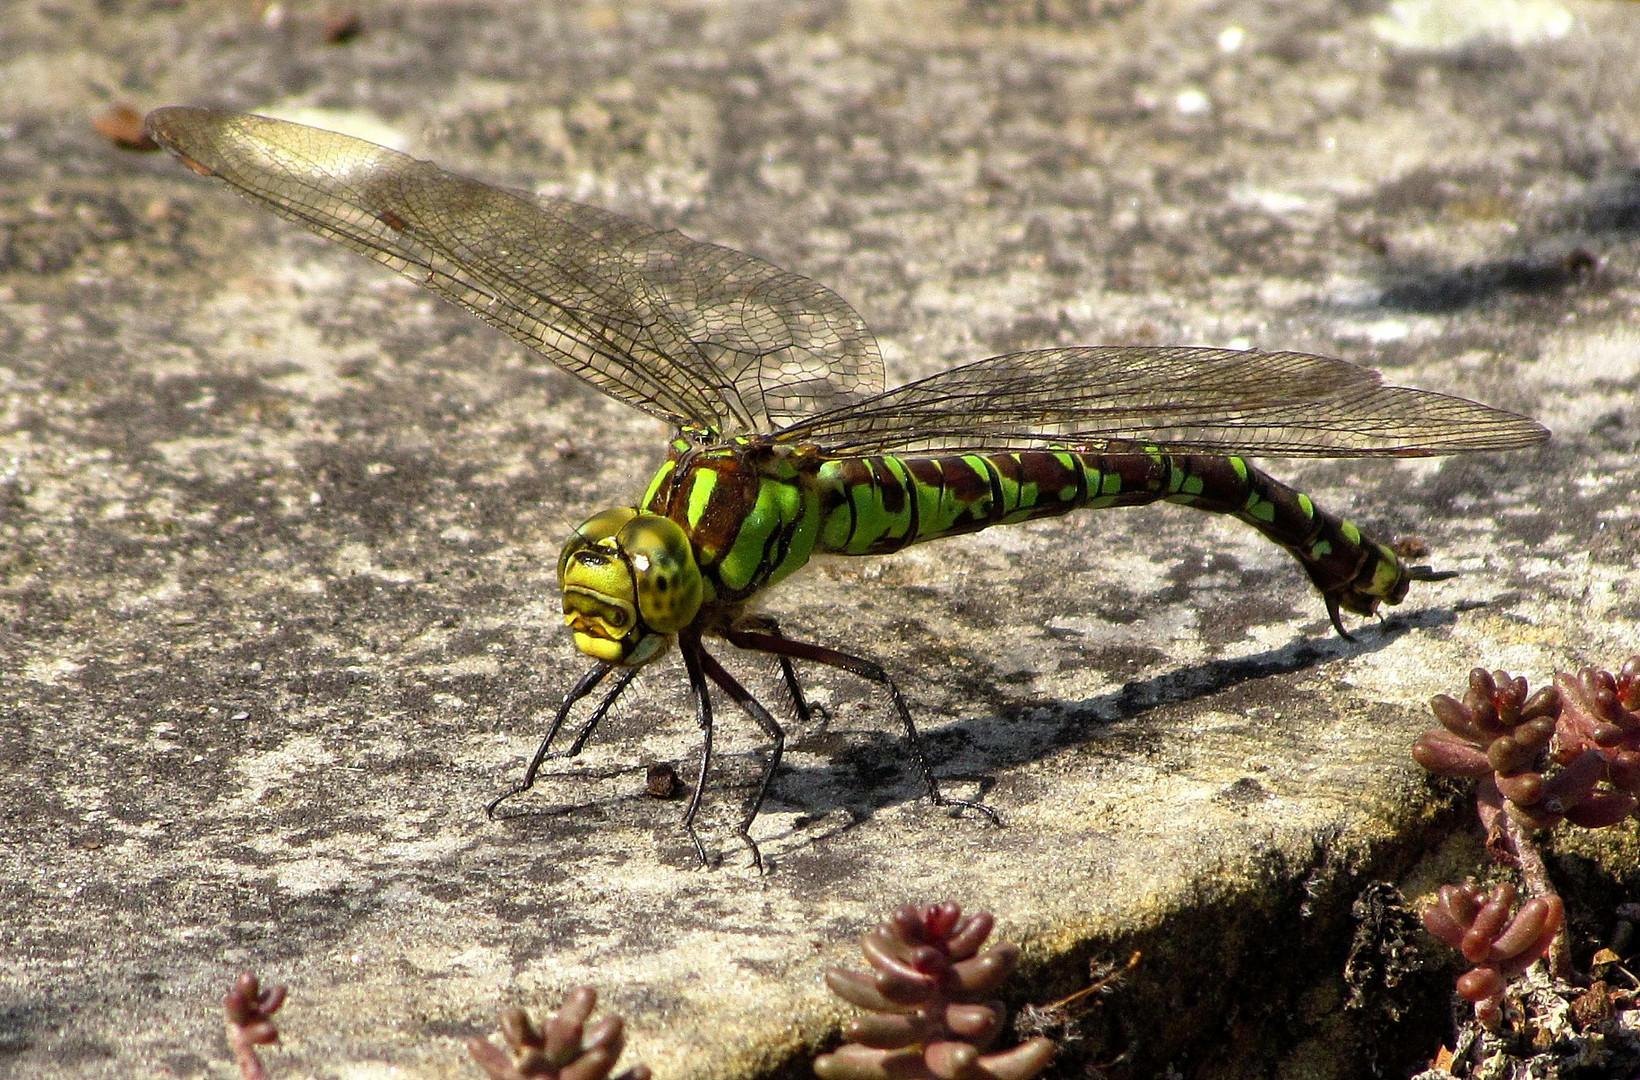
x=278, y=532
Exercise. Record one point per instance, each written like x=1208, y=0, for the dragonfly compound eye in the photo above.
x=598, y=527
x=669, y=584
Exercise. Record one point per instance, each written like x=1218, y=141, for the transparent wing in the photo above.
x=703, y=336
x=1183, y=399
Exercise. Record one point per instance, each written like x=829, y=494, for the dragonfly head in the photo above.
x=630, y=582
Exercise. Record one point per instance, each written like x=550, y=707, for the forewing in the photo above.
x=785, y=346
x=1178, y=399
x=699, y=335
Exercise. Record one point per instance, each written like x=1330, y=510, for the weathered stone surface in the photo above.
x=277, y=532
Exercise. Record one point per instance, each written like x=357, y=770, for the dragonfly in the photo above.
x=787, y=444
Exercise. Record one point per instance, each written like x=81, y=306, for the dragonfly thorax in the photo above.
x=630, y=582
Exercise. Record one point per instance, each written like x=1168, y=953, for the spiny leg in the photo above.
x=589, y=682
x=777, y=739
x=689, y=646
x=805, y=709
x=626, y=676
x=866, y=669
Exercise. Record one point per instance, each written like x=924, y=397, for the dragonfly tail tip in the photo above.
x=1429, y=573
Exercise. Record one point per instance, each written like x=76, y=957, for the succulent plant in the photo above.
x=1567, y=752
x=928, y=1001
x=563, y=1048
x=1601, y=718
x=250, y=1011
x=1499, y=944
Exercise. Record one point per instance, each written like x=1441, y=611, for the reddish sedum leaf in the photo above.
x=249, y=1011
x=927, y=991
x=1498, y=942
x=564, y=1048
x=1567, y=752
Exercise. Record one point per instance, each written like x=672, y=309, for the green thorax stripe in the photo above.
x=752, y=520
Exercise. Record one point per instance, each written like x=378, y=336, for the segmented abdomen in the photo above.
x=881, y=504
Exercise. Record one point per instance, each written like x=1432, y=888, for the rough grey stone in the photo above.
x=278, y=533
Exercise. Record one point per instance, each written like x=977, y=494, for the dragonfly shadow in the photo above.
x=836, y=780
x=1216, y=676
x=1607, y=212
x=866, y=772
x=567, y=803
x=1434, y=291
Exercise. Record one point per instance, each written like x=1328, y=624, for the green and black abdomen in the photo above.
x=877, y=505
x=754, y=517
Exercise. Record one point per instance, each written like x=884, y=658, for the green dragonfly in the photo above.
x=787, y=444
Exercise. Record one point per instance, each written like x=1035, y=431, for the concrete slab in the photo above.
x=278, y=532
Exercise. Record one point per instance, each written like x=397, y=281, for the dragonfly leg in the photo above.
x=777, y=738
x=778, y=645
x=806, y=710
x=589, y=682
x=689, y=646
x=625, y=677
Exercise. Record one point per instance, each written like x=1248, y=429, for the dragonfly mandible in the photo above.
x=787, y=444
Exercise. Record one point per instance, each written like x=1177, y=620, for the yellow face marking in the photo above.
x=629, y=583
